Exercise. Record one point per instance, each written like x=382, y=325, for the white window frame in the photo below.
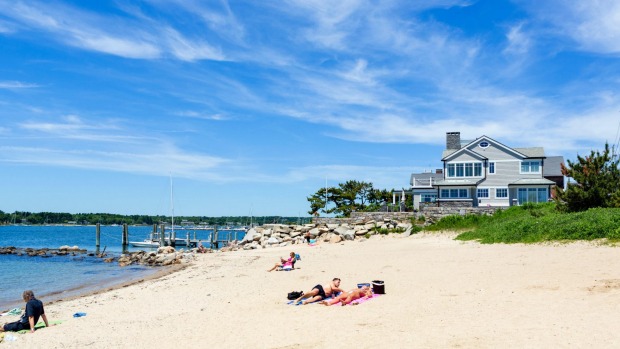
x=529, y=167
x=501, y=197
x=536, y=191
x=454, y=168
x=454, y=193
x=493, y=166
x=483, y=190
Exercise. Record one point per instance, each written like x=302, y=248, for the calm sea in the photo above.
x=64, y=276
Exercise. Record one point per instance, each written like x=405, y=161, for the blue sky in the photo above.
x=251, y=106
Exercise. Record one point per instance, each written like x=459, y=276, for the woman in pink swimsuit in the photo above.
x=285, y=263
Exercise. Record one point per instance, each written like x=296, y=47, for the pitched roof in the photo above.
x=532, y=181
x=552, y=166
x=533, y=152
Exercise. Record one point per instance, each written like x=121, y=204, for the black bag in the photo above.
x=294, y=295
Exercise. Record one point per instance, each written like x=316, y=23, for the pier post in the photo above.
x=98, y=236
x=173, y=238
x=153, y=232
x=162, y=235
x=125, y=237
x=188, y=241
x=216, y=236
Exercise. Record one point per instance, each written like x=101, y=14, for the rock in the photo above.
x=361, y=232
x=335, y=238
x=272, y=241
x=332, y=226
x=165, y=250
x=295, y=233
x=249, y=235
x=349, y=235
x=314, y=232
x=341, y=230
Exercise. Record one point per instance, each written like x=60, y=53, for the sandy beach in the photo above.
x=440, y=293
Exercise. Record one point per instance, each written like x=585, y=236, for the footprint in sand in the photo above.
x=605, y=285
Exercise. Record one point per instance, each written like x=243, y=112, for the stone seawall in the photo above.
x=359, y=226
x=432, y=213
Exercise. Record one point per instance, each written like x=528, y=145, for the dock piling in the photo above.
x=98, y=237
x=125, y=237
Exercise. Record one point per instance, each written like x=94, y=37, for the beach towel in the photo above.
x=364, y=299
x=39, y=325
x=14, y=311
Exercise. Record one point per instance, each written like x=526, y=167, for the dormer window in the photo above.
x=483, y=144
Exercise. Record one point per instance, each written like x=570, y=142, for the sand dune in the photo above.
x=440, y=293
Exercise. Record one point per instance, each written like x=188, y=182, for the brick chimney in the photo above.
x=453, y=140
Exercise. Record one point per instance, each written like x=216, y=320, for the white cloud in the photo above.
x=187, y=50
x=11, y=85
x=518, y=42
x=203, y=116
x=592, y=24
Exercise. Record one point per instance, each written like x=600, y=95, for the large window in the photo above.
x=530, y=166
x=428, y=197
x=483, y=193
x=501, y=193
x=532, y=195
x=454, y=193
x=468, y=169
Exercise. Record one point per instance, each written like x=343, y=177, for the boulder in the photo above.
x=165, y=250
x=249, y=235
x=335, y=238
x=341, y=230
x=273, y=240
x=349, y=235
x=314, y=232
x=332, y=226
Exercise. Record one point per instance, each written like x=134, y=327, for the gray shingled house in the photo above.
x=485, y=172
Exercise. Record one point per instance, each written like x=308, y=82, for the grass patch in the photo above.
x=535, y=223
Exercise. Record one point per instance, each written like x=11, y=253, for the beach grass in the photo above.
x=532, y=223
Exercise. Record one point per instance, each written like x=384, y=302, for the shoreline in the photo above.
x=439, y=293
x=108, y=284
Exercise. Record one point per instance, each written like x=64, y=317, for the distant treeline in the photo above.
x=108, y=219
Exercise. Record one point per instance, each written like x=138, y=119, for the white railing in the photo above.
x=422, y=183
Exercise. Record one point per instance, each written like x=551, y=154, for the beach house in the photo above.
x=486, y=173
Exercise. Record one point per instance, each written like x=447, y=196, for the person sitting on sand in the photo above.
x=347, y=297
x=201, y=248
x=288, y=263
x=319, y=292
x=34, y=310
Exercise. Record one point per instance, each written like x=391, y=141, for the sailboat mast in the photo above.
x=172, y=203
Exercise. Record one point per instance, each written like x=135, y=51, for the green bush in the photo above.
x=537, y=223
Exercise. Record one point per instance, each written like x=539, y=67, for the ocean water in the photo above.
x=59, y=277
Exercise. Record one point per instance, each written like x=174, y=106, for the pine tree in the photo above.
x=596, y=182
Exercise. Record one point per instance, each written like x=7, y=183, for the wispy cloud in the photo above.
x=203, y=116
x=13, y=85
x=593, y=25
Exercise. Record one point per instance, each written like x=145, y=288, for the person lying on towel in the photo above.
x=347, y=297
x=319, y=292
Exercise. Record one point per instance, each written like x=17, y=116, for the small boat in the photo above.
x=146, y=243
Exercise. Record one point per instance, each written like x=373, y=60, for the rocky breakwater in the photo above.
x=164, y=256
x=272, y=235
x=43, y=252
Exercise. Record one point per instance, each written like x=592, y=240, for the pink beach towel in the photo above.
x=365, y=299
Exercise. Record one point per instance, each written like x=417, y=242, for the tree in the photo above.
x=348, y=197
x=597, y=182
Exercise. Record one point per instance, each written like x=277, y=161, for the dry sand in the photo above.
x=440, y=293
